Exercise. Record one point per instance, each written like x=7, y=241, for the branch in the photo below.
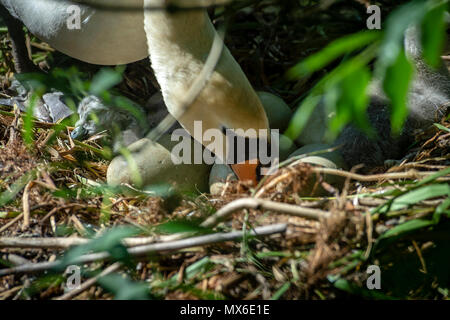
x=221, y=214
x=64, y=243
x=9, y=224
x=153, y=248
x=252, y=203
x=26, y=206
x=412, y=174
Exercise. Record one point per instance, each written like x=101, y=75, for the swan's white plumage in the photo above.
x=179, y=45
x=105, y=37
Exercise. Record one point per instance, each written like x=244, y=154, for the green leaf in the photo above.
x=442, y=209
x=201, y=294
x=441, y=127
x=352, y=102
x=110, y=241
x=182, y=226
x=6, y=264
x=397, y=23
x=125, y=104
x=329, y=82
x=392, y=65
x=123, y=288
x=104, y=80
x=301, y=116
x=10, y=194
x=43, y=283
x=406, y=228
x=277, y=295
x=396, y=86
x=334, y=50
x=433, y=34
x=433, y=177
x=28, y=136
x=165, y=190
x=347, y=286
x=417, y=195
x=342, y=284
x=196, y=269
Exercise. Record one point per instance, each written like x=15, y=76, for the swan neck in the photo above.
x=180, y=27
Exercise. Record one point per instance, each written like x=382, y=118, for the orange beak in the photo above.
x=246, y=171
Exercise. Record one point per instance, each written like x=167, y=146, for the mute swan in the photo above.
x=178, y=44
x=228, y=101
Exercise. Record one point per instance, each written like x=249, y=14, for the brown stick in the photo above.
x=26, y=206
x=154, y=248
x=63, y=243
x=412, y=174
x=252, y=203
x=9, y=224
x=56, y=209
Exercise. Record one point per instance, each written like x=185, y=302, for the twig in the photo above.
x=78, y=225
x=369, y=231
x=252, y=203
x=154, y=248
x=419, y=254
x=290, y=162
x=13, y=221
x=412, y=174
x=48, y=180
x=26, y=206
x=44, y=185
x=6, y=294
x=36, y=123
x=42, y=47
x=64, y=243
x=89, y=283
x=54, y=210
x=271, y=184
x=41, y=243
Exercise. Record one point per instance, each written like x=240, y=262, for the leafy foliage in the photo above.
x=392, y=68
